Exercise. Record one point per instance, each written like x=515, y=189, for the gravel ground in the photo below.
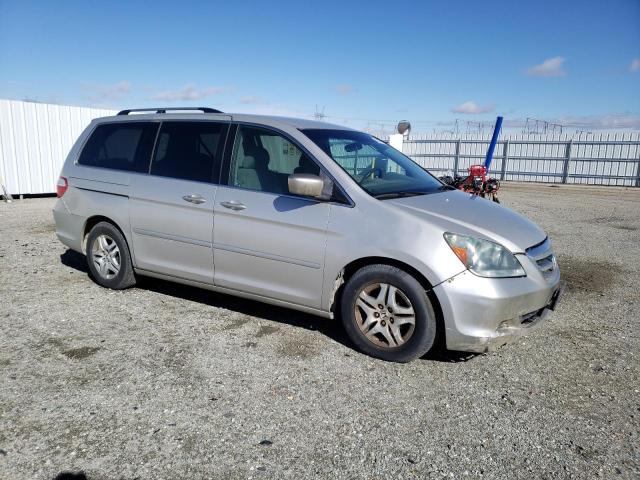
x=165, y=381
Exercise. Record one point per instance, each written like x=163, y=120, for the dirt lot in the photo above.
x=165, y=381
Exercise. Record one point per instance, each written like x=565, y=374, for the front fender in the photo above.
x=399, y=238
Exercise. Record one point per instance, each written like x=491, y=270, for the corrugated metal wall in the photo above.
x=35, y=139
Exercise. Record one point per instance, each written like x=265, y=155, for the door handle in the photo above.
x=194, y=198
x=233, y=205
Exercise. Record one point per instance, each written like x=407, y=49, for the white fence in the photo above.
x=35, y=139
x=600, y=159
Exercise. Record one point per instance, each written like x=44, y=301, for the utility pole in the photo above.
x=319, y=115
x=536, y=127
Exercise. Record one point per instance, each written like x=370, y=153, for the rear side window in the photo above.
x=189, y=150
x=120, y=146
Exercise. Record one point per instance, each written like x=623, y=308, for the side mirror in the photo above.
x=306, y=185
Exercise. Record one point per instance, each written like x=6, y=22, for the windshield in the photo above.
x=379, y=169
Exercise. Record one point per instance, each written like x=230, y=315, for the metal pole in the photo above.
x=567, y=159
x=638, y=174
x=456, y=160
x=505, y=157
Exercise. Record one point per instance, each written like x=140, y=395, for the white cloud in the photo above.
x=551, y=67
x=344, y=89
x=189, y=92
x=55, y=100
x=635, y=65
x=472, y=107
x=270, y=109
x=252, y=100
x=103, y=93
x=611, y=121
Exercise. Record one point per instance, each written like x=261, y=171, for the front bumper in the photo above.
x=482, y=314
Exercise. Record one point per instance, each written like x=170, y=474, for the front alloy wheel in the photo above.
x=387, y=313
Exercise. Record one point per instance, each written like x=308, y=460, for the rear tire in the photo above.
x=387, y=314
x=108, y=257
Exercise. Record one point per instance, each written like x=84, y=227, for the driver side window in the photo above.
x=263, y=160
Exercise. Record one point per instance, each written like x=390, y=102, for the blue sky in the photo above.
x=573, y=62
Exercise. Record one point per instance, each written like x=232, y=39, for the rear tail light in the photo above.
x=61, y=186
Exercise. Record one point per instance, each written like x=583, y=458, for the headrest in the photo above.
x=261, y=155
x=307, y=165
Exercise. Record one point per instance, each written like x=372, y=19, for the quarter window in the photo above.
x=120, y=146
x=263, y=160
x=189, y=150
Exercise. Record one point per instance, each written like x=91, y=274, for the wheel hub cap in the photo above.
x=106, y=256
x=385, y=315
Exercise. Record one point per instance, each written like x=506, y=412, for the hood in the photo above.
x=460, y=212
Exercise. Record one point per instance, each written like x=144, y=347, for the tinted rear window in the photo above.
x=189, y=150
x=120, y=146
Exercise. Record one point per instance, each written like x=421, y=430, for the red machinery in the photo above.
x=477, y=182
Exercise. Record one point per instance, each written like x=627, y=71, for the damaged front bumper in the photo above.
x=483, y=314
x=510, y=330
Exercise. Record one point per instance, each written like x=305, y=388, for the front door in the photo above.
x=171, y=209
x=266, y=241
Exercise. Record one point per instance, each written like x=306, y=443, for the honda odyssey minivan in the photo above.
x=307, y=215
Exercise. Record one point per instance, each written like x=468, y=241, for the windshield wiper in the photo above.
x=402, y=194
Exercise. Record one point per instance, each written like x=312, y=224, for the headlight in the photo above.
x=484, y=258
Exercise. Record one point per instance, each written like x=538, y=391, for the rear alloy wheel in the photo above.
x=108, y=257
x=387, y=314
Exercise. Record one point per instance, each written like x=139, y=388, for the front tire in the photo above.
x=108, y=257
x=387, y=314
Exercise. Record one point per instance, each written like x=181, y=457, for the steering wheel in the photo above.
x=368, y=173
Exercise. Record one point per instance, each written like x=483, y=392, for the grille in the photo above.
x=542, y=255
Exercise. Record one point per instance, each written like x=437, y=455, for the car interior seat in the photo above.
x=253, y=171
x=306, y=165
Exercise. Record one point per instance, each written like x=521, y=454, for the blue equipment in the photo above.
x=492, y=145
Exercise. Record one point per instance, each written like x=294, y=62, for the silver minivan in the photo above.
x=306, y=215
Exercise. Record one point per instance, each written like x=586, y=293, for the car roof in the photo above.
x=267, y=120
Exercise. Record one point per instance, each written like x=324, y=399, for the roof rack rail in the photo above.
x=164, y=110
